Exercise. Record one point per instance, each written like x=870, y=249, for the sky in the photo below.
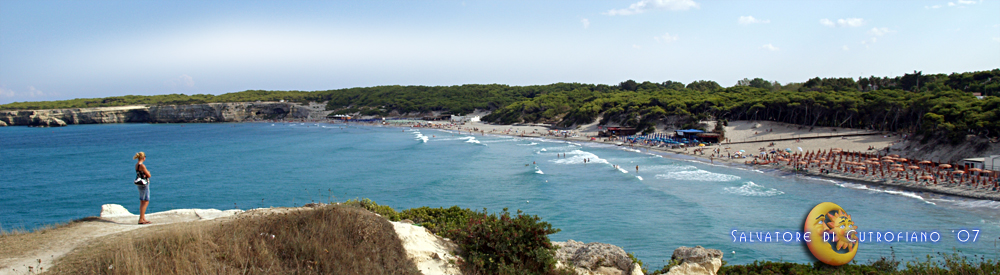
x=55, y=50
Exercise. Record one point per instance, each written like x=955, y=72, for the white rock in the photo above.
x=114, y=210
x=430, y=252
x=696, y=260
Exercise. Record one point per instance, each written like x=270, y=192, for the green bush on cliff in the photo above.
x=497, y=243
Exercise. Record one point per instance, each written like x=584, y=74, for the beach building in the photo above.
x=985, y=163
x=618, y=131
x=688, y=132
x=465, y=118
x=341, y=117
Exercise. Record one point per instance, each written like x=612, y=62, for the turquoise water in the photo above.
x=54, y=175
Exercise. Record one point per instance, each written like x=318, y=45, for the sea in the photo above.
x=50, y=176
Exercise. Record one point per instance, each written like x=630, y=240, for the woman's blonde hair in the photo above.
x=139, y=155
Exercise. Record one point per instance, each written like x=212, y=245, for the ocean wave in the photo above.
x=422, y=137
x=539, y=171
x=470, y=139
x=623, y=170
x=698, y=175
x=969, y=203
x=857, y=186
x=577, y=157
x=751, y=189
x=529, y=144
x=638, y=177
x=631, y=150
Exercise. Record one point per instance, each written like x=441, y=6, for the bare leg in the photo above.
x=142, y=211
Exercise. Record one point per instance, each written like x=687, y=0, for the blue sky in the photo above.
x=53, y=50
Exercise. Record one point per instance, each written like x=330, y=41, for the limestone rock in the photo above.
x=2, y=124
x=432, y=254
x=595, y=258
x=696, y=260
x=114, y=210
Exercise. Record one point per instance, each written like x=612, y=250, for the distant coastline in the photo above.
x=207, y=112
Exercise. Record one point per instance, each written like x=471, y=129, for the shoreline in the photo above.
x=681, y=154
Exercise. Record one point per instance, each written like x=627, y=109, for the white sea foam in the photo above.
x=420, y=136
x=529, y=144
x=638, y=177
x=543, y=150
x=577, y=157
x=631, y=150
x=539, y=171
x=892, y=192
x=969, y=203
x=470, y=139
x=697, y=175
x=752, y=189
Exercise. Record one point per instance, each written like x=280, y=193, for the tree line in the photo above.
x=916, y=102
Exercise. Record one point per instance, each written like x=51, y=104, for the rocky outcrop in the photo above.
x=209, y=112
x=595, y=258
x=2, y=124
x=433, y=255
x=696, y=260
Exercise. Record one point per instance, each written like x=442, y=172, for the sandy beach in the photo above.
x=750, y=137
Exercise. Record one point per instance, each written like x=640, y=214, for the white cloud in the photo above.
x=646, y=5
x=880, y=31
x=966, y=2
x=769, y=47
x=951, y=4
x=585, y=22
x=32, y=92
x=746, y=20
x=933, y=7
x=666, y=37
x=634, y=46
x=848, y=22
x=845, y=48
x=997, y=39
x=183, y=81
x=4, y=92
x=851, y=22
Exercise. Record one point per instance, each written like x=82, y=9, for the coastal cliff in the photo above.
x=209, y=112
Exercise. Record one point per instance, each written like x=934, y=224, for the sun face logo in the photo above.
x=833, y=235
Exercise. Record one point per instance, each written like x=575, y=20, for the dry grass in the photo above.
x=17, y=241
x=326, y=240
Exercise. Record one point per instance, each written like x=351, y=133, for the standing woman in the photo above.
x=142, y=181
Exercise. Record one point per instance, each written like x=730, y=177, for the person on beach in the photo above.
x=142, y=172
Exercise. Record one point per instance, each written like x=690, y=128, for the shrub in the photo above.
x=497, y=243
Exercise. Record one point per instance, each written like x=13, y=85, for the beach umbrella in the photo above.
x=800, y=149
x=902, y=160
x=924, y=162
x=925, y=177
x=894, y=155
x=975, y=170
x=897, y=165
x=958, y=172
x=788, y=150
x=898, y=169
x=861, y=167
x=802, y=162
x=913, y=167
x=814, y=161
x=887, y=160
x=945, y=166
